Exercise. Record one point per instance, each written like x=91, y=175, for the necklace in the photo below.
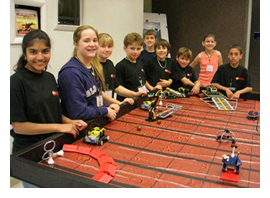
x=209, y=55
x=90, y=69
x=83, y=63
x=163, y=67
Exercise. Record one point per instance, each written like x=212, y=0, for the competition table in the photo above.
x=181, y=151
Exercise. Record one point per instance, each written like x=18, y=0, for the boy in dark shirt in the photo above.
x=149, y=39
x=105, y=49
x=184, y=76
x=232, y=77
x=129, y=71
x=159, y=70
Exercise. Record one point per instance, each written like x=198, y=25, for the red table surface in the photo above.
x=181, y=151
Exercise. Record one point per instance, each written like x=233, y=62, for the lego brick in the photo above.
x=110, y=160
x=96, y=153
x=108, y=168
x=105, y=159
x=84, y=150
x=103, y=177
x=70, y=148
x=102, y=159
x=230, y=175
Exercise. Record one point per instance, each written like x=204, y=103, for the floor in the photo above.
x=15, y=183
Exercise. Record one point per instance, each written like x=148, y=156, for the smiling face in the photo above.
x=149, y=40
x=87, y=46
x=209, y=43
x=37, y=56
x=161, y=52
x=183, y=61
x=104, y=52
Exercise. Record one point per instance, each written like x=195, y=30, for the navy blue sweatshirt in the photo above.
x=78, y=91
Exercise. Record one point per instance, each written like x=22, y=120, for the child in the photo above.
x=35, y=110
x=185, y=75
x=209, y=60
x=129, y=71
x=232, y=77
x=81, y=79
x=159, y=70
x=149, y=39
x=112, y=85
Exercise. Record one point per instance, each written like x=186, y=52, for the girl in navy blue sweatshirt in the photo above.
x=81, y=79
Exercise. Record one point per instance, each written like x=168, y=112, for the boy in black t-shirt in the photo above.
x=159, y=70
x=232, y=77
x=105, y=50
x=129, y=71
x=184, y=75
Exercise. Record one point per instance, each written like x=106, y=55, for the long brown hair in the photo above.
x=94, y=62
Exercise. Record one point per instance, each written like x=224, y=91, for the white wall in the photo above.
x=116, y=17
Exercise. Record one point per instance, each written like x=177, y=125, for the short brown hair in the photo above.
x=186, y=52
x=163, y=43
x=132, y=38
x=150, y=32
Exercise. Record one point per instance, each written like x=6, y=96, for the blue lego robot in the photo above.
x=231, y=161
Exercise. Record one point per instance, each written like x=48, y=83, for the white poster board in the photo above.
x=158, y=22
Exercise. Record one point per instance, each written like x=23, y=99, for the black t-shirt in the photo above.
x=228, y=76
x=155, y=70
x=109, y=72
x=33, y=98
x=180, y=73
x=130, y=75
x=145, y=56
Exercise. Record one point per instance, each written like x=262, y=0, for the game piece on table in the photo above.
x=230, y=175
x=219, y=101
x=231, y=162
x=170, y=110
x=227, y=135
x=58, y=154
x=96, y=136
x=50, y=159
x=253, y=115
x=170, y=93
x=69, y=147
x=49, y=152
x=159, y=109
x=107, y=165
x=152, y=116
x=84, y=150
